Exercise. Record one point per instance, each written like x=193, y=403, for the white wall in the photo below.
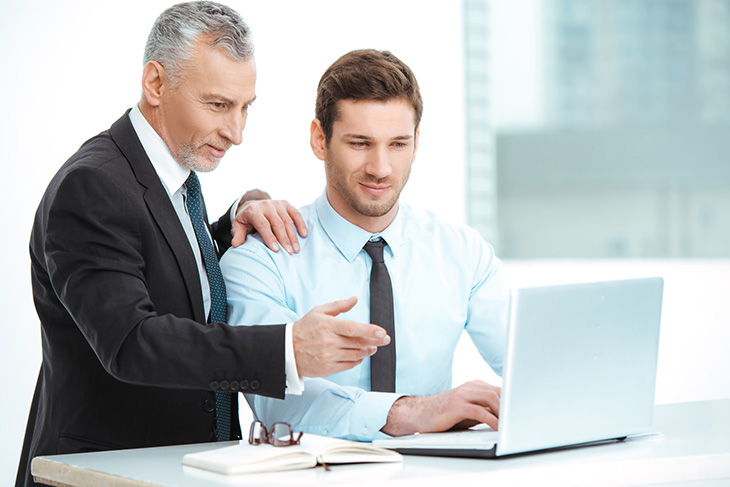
x=71, y=68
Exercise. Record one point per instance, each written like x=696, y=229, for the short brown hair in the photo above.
x=365, y=74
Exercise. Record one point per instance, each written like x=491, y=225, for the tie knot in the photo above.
x=192, y=184
x=375, y=249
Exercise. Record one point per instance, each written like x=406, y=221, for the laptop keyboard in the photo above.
x=474, y=438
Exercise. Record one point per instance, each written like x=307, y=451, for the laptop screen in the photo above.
x=580, y=363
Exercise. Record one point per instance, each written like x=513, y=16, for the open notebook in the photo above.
x=312, y=451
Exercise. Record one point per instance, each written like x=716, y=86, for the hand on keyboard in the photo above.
x=462, y=407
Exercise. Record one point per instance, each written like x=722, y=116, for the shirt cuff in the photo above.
x=233, y=210
x=294, y=383
x=371, y=413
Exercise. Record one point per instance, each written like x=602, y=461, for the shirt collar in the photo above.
x=350, y=238
x=170, y=172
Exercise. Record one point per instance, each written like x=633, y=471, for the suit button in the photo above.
x=209, y=405
x=254, y=385
x=234, y=385
x=224, y=385
x=214, y=385
x=244, y=385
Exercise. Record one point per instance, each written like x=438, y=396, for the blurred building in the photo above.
x=481, y=184
x=632, y=158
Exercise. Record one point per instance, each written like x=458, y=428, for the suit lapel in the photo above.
x=161, y=209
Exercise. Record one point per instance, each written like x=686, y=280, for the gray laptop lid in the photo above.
x=581, y=364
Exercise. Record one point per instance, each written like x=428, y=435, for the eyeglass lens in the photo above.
x=281, y=434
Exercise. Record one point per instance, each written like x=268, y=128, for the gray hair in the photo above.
x=178, y=28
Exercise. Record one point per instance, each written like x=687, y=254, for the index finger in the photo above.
x=298, y=220
x=353, y=329
x=483, y=415
x=280, y=227
x=488, y=399
x=288, y=231
x=268, y=236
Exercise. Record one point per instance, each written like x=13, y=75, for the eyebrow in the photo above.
x=218, y=97
x=225, y=99
x=366, y=137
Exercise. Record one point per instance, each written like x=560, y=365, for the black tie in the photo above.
x=218, y=311
x=382, y=364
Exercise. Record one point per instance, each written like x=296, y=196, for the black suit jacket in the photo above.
x=128, y=360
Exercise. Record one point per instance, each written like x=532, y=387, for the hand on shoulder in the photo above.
x=277, y=221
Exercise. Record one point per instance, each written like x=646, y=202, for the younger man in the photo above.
x=422, y=280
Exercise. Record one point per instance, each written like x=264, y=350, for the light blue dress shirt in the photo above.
x=445, y=278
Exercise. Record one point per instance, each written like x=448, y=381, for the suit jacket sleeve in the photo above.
x=96, y=256
x=221, y=231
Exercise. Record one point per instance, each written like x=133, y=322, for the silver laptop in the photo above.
x=580, y=369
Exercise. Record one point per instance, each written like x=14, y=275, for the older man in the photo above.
x=423, y=280
x=126, y=282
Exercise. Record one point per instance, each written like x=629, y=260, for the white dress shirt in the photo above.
x=173, y=177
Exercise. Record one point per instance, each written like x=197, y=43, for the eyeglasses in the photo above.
x=280, y=434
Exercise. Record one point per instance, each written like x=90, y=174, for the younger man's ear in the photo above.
x=317, y=139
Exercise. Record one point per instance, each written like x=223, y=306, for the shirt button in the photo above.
x=324, y=432
x=208, y=405
x=365, y=430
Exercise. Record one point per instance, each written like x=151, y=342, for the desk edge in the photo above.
x=67, y=475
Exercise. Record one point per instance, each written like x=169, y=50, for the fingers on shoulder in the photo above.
x=298, y=219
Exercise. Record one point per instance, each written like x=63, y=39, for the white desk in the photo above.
x=692, y=449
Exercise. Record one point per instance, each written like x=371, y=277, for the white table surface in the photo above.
x=692, y=447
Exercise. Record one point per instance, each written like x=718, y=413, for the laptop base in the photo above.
x=491, y=453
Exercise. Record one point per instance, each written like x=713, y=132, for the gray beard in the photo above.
x=187, y=158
